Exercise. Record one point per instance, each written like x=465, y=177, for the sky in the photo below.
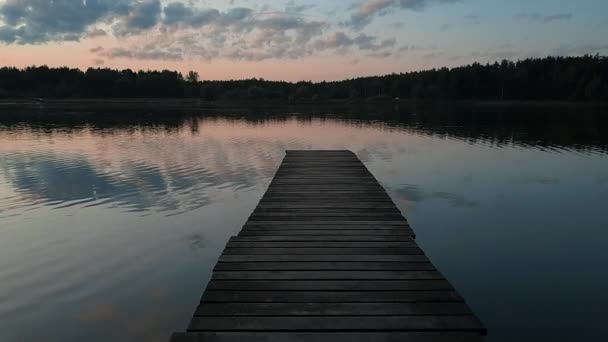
x=295, y=40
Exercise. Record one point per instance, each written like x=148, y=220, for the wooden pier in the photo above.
x=326, y=256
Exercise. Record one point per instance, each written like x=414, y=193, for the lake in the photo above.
x=111, y=221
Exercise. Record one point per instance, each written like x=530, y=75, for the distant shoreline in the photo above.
x=157, y=104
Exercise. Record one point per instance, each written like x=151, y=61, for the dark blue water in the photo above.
x=110, y=222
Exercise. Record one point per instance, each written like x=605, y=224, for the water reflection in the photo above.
x=544, y=126
x=114, y=217
x=61, y=177
x=166, y=162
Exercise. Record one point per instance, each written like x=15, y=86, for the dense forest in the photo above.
x=553, y=78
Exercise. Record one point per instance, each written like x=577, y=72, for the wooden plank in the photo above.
x=336, y=226
x=329, y=193
x=321, y=238
x=329, y=275
x=321, y=257
x=325, y=266
x=345, y=178
x=319, y=244
x=325, y=187
x=402, y=222
x=330, y=296
x=325, y=215
x=337, y=219
x=330, y=285
x=337, y=207
x=327, y=232
x=328, y=184
x=327, y=196
x=332, y=323
x=327, y=200
x=316, y=174
x=321, y=174
x=331, y=309
x=350, y=225
x=393, y=336
x=368, y=251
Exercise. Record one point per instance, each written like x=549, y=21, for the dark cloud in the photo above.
x=177, y=13
x=142, y=16
x=96, y=32
x=241, y=34
x=366, y=42
x=335, y=40
x=38, y=21
x=293, y=7
x=8, y=34
x=147, y=52
x=365, y=11
x=340, y=40
x=175, y=29
x=544, y=18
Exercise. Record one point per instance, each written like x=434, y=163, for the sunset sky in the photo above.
x=295, y=40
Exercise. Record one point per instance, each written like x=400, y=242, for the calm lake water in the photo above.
x=110, y=222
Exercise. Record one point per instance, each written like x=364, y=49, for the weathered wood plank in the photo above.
x=323, y=232
x=331, y=309
x=328, y=201
x=402, y=222
x=325, y=215
x=319, y=244
x=344, y=208
x=326, y=238
x=325, y=266
x=393, y=336
x=329, y=275
x=337, y=219
x=319, y=174
x=332, y=225
x=304, y=187
x=330, y=285
x=368, y=251
x=332, y=323
x=321, y=257
x=330, y=296
x=329, y=225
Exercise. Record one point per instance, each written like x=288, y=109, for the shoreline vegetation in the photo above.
x=553, y=79
x=180, y=104
x=161, y=104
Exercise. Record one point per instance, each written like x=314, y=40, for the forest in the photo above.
x=582, y=78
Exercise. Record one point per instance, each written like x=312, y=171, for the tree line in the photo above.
x=582, y=78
